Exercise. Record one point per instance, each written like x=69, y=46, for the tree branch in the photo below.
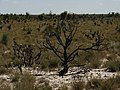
x=52, y=48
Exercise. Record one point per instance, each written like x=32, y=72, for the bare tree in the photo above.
x=25, y=55
x=59, y=38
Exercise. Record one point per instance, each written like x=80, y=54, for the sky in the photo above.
x=59, y=6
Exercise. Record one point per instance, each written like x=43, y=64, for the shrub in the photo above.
x=44, y=64
x=9, y=27
x=78, y=85
x=29, y=30
x=95, y=64
x=4, y=39
x=64, y=87
x=49, y=62
x=53, y=63
x=44, y=87
x=106, y=84
x=15, y=77
x=117, y=79
x=5, y=87
x=94, y=84
x=26, y=82
x=3, y=70
x=109, y=84
x=113, y=66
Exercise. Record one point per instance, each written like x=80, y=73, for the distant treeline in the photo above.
x=64, y=15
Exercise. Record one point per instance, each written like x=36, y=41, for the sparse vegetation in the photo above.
x=76, y=40
x=113, y=66
x=100, y=84
x=26, y=82
x=78, y=85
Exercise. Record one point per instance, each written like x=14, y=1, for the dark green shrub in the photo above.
x=9, y=27
x=113, y=66
x=3, y=70
x=4, y=39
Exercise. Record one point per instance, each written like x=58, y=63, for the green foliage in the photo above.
x=17, y=62
x=113, y=65
x=4, y=39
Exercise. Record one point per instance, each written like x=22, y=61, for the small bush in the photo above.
x=94, y=84
x=78, y=85
x=45, y=86
x=4, y=39
x=16, y=77
x=44, y=65
x=106, y=84
x=95, y=64
x=3, y=70
x=5, y=87
x=113, y=66
x=53, y=63
x=17, y=62
x=64, y=87
x=26, y=82
x=117, y=80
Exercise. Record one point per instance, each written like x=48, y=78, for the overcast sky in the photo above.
x=58, y=6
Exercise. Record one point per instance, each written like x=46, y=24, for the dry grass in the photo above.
x=29, y=31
